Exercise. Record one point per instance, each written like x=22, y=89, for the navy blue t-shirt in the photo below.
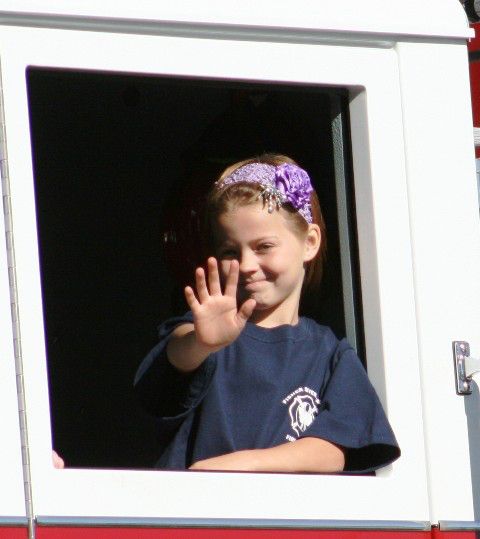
x=270, y=386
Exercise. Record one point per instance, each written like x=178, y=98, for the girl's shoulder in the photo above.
x=323, y=338
x=318, y=331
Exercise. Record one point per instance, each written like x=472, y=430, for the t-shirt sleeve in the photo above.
x=164, y=391
x=352, y=416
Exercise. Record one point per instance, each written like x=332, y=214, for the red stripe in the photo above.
x=187, y=533
x=13, y=533
x=438, y=534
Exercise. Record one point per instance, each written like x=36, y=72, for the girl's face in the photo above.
x=271, y=258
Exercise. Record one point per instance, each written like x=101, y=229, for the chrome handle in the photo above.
x=465, y=367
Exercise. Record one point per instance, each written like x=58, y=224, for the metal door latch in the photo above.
x=465, y=367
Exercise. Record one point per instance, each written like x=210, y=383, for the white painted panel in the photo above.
x=408, y=17
x=446, y=250
x=12, y=502
x=477, y=162
x=386, y=280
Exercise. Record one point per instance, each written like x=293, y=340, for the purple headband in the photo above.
x=281, y=184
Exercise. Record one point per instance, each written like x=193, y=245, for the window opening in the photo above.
x=120, y=164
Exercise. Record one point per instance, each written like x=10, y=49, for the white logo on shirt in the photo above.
x=302, y=409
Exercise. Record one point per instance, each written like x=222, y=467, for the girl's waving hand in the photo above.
x=217, y=321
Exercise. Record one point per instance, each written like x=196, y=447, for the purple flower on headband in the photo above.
x=282, y=183
x=294, y=183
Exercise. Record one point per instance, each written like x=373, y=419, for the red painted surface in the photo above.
x=9, y=532
x=188, y=533
x=438, y=534
x=474, y=45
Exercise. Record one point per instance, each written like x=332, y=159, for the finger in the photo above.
x=58, y=462
x=246, y=310
x=213, y=277
x=232, y=279
x=201, y=284
x=190, y=297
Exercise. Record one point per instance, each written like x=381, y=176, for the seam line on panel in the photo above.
x=217, y=30
x=17, y=343
x=415, y=288
x=231, y=523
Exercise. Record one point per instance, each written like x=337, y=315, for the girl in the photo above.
x=242, y=382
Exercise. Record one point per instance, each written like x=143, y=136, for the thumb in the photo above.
x=246, y=310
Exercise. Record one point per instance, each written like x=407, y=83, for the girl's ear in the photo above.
x=313, y=239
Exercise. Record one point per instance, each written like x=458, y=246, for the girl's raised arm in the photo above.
x=217, y=321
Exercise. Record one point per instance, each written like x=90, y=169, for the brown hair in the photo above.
x=222, y=200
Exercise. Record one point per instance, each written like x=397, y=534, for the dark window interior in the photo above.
x=121, y=165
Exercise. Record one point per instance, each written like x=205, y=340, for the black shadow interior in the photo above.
x=121, y=164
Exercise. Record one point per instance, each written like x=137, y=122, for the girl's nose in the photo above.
x=248, y=261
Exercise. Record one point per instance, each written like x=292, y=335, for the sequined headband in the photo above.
x=280, y=184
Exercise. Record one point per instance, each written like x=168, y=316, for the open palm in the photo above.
x=217, y=320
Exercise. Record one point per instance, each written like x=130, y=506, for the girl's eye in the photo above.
x=264, y=247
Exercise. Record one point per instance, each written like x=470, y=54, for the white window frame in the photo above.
x=371, y=74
